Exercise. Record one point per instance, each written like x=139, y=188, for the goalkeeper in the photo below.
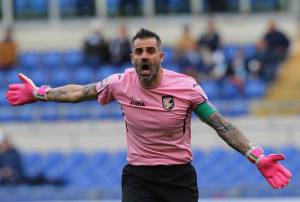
x=157, y=106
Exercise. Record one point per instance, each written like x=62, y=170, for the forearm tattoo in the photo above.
x=88, y=88
x=229, y=133
x=57, y=93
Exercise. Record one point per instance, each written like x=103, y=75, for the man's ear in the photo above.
x=162, y=56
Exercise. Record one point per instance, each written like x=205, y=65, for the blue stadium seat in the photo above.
x=105, y=71
x=60, y=77
x=211, y=89
x=169, y=55
x=38, y=7
x=20, y=6
x=51, y=59
x=230, y=51
x=38, y=76
x=73, y=59
x=255, y=89
x=12, y=76
x=32, y=163
x=7, y=113
x=50, y=112
x=229, y=91
x=26, y=113
x=83, y=75
x=76, y=112
x=3, y=100
x=29, y=60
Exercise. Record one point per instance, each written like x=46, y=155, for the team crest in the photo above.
x=168, y=102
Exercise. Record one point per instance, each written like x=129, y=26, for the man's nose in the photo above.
x=144, y=57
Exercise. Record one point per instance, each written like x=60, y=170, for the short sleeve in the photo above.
x=198, y=96
x=107, y=89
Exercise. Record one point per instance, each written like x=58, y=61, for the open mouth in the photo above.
x=145, y=69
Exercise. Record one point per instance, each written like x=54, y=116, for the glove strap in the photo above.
x=40, y=93
x=255, y=154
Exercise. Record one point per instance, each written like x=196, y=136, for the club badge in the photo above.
x=168, y=102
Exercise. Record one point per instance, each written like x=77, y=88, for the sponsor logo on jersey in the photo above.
x=104, y=81
x=168, y=102
x=137, y=103
x=120, y=76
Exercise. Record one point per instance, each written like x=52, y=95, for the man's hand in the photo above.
x=20, y=94
x=275, y=173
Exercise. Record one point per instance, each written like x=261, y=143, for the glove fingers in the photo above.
x=272, y=183
x=14, y=87
x=279, y=182
x=284, y=179
x=285, y=172
x=16, y=102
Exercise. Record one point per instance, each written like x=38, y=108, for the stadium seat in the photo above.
x=38, y=7
x=50, y=113
x=83, y=75
x=76, y=112
x=60, y=77
x=255, y=89
x=51, y=59
x=32, y=163
x=26, y=113
x=105, y=71
x=73, y=59
x=29, y=60
x=7, y=113
x=211, y=89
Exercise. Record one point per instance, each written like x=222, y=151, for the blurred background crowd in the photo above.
x=244, y=54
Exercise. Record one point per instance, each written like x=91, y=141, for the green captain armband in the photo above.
x=204, y=110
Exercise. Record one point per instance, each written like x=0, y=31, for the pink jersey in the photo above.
x=158, y=120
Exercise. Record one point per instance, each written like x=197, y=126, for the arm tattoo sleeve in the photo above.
x=57, y=93
x=88, y=88
x=229, y=133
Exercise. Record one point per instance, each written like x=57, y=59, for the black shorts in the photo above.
x=159, y=183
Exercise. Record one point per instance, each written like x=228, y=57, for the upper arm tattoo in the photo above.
x=228, y=132
x=88, y=88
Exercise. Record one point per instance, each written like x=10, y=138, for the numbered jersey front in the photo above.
x=158, y=120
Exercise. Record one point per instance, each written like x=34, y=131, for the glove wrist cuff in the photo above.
x=255, y=154
x=40, y=93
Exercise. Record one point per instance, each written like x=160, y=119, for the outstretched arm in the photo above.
x=275, y=173
x=228, y=132
x=26, y=93
x=73, y=93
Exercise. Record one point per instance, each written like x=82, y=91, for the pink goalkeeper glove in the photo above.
x=275, y=173
x=20, y=94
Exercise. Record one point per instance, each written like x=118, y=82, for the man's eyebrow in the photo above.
x=148, y=47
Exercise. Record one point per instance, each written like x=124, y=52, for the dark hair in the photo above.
x=145, y=34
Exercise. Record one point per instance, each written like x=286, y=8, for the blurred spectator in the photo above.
x=277, y=42
x=208, y=43
x=8, y=50
x=259, y=60
x=11, y=171
x=95, y=48
x=119, y=48
x=188, y=57
x=277, y=45
x=237, y=70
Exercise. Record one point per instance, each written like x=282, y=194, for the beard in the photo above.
x=147, y=77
